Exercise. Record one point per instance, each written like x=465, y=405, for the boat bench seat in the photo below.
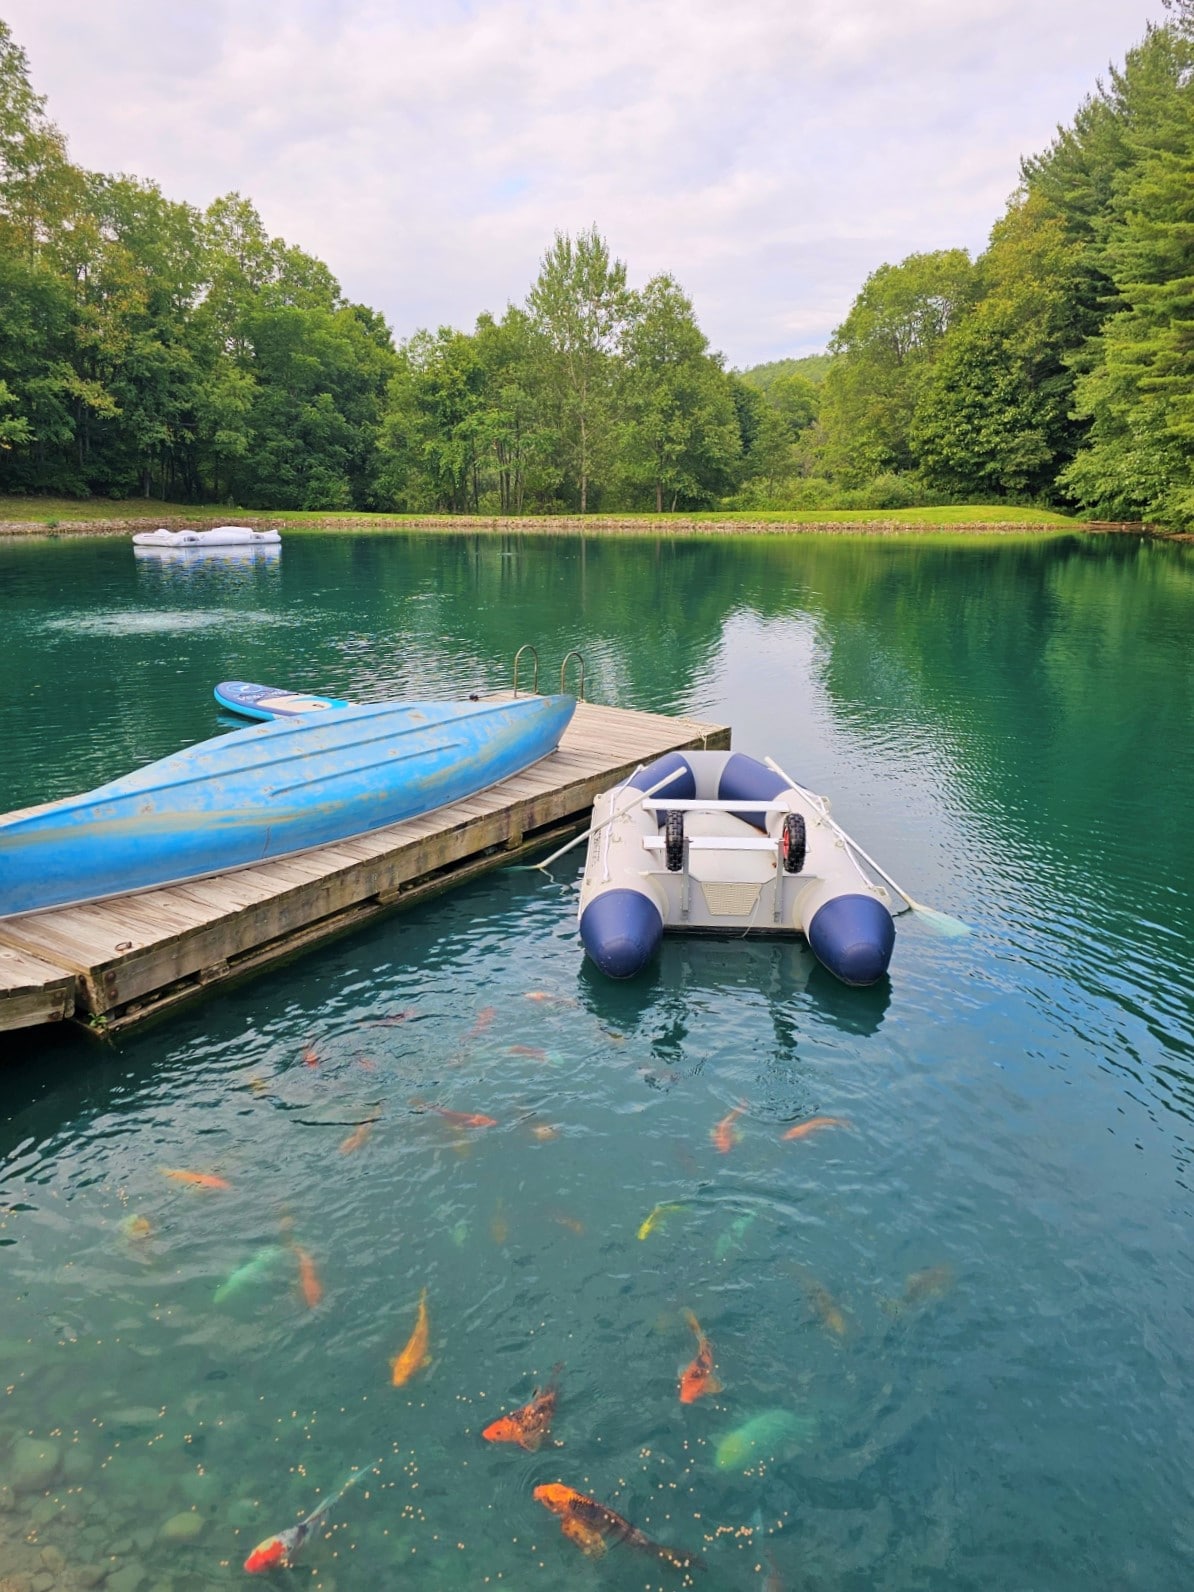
x=714, y=843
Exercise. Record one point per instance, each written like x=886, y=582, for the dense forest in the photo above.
x=150, y=348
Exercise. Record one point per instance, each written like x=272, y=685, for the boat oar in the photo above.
x=567, y=846
x=941, y=921
x=585, y=833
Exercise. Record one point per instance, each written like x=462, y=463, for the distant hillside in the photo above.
x=812, y=367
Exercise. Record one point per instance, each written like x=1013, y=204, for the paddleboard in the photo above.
x=271, y=701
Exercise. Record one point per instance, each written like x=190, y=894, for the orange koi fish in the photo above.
x=310, y=1057
x=829, y=1312
x=415, y=1356
x=725, y=1135
x=359, y=1136
x=484, y=1018
x=278, y=1553
x=464, y=1119
x=197, y=1179
x=920, y=1288
x=309, y=1283
x=698, y=1378
x=529, y=1425
x=802, y=1129
x=590, y=1524
x=533, y=1051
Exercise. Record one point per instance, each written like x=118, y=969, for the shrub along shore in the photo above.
x=64, y=518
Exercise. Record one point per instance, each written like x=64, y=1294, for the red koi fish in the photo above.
x=310, y=1057
x=590, y=1525
x=698, y=1378
x=278, y=1553
x=725, y=1135
x=529, y=1425
x=801, y=1130
x=196, y=1179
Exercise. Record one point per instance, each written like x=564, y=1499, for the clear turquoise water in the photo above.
x=972, y=1306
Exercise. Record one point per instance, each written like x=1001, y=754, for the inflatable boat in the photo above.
x=716, y=842
x=218, y=536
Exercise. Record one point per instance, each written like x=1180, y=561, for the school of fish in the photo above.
x=584, y=1521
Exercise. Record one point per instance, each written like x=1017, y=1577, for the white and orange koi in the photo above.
x=278, y=1552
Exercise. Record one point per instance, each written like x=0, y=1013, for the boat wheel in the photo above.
x=794, y=842
x=673, y=842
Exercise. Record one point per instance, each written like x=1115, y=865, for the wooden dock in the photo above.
x=114, y=962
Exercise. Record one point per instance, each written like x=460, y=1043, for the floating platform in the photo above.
x=111, y=963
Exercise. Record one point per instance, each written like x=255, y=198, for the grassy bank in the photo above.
x=41, y=515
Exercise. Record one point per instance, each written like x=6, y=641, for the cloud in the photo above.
x=769, y=155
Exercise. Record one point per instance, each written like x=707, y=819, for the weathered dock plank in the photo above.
x=116, y=961
x=33, y=991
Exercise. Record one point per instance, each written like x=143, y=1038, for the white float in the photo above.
x=218, y=536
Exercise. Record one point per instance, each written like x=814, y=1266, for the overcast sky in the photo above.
x=769, y=154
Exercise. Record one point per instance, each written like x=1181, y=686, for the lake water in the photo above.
x=954, y=1335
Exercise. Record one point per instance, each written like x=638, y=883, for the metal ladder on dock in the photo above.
x=568, y=657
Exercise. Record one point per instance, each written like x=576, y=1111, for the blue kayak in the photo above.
x=268, y=791
x=271, y=701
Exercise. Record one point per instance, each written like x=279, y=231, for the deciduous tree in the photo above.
x=579, y=306
x=884, y=350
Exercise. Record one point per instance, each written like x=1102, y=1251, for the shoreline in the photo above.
x=574, y=525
